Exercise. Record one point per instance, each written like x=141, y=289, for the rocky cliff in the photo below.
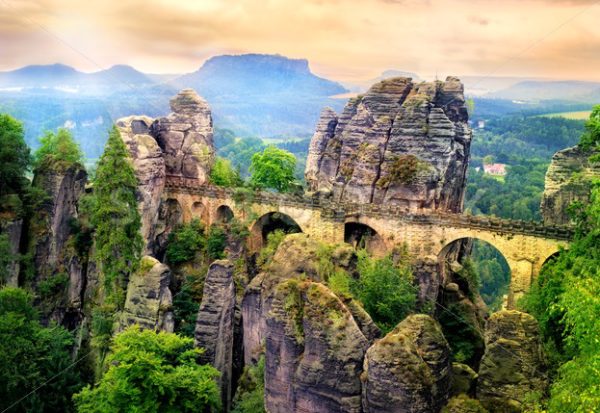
x=57, y=264
x=567, y=181
x=402, y=142
x=179, y=144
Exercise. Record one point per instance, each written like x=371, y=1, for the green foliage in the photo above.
x=6, y=258
x=114, y=215
x=565, y=299
x=31, y=355
x=463, y=338
x=186, y=303
x=269, y=249
x=185, y=241
x=385, y=289
x=591, y=137
x=152, y=372
x=223, y=174
x=251, y=389
x=240, y=152
x=469, y=274
x=53, y=285
x=57, y=150
x=273, y=169
x=404, y=170
x=216, y=242
x=493, y=272
x=15, y=161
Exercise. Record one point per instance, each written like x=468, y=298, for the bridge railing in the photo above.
x=343, y=210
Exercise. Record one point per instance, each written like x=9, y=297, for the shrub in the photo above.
x=251, y=393
x=57, y=150
x=152, y=372
x=216, y=242
x=223, y=174
x=268, y=251
x=385, y=290
x=185, y=241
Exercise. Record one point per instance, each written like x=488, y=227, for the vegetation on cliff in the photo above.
x=15, y=161
x=565, y=299
x=58, y=150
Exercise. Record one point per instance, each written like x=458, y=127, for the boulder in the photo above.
x=463, y=380
x=400, y=143
x=409, y=369
x=463, y=404
x=513, y=363
x=568, y=179
x=215, y=324
x=314, y=351
x=149, y=300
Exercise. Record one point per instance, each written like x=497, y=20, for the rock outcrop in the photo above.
x=409, y=369
x=149, y=300
x=296, y=257
x=401, y=143
x=180, y=145
x=567, y=180
x=57, y=264
x=314, y=351
x=215, y=324
x=149, y=165
x=186, y=137
x=513, y=364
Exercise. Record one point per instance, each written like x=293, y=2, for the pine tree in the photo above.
x=115, y=217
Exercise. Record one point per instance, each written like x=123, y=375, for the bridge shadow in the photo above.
x=362, y=236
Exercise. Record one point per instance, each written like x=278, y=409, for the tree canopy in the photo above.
x=224, y=174
x=58, y=149
x=15, y=161
x=273, y=168
x=31, y=355
x=152, y=372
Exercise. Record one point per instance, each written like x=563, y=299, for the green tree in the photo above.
x=58, y=150
x=15, y=161
x=591, y=137
x=251, y=389
x=31, y=356
x=273, y=168
x=115, y=217
x=152, y=372
x=185, y=242
x=223, y=174
x=385, y=290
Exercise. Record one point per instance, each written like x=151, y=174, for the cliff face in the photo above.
x=58, y=267
x=179, y=144
x=401, y=143
x=567, y=181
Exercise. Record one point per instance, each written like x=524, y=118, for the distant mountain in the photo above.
x=62, y=76
x=571, y=90
x=257, y=74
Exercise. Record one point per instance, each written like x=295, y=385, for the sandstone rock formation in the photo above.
x=409, y=369
x=149, y=299
x=297, y=256
x=513, y=364
x=463, y=380
x=149, y=164
x=179, y=144
x=400, y=143
x=567, y=180
x=51, y=232
x=186, y=137
x=215, y=324
x=314, y=351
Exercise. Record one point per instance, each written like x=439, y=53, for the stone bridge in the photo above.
x=526, y=246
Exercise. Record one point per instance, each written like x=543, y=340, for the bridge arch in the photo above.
x=268, y=223
x=224, y=214
x=361, y=235
x=492, y=268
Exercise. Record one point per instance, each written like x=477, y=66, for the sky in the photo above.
x=346, y=40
